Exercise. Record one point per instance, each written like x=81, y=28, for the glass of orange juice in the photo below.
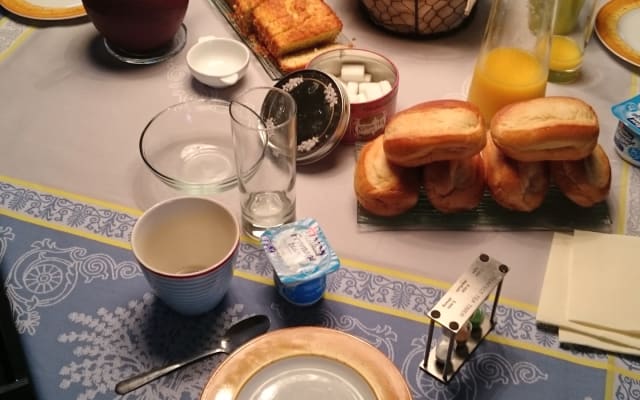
x=572, y=29
x=513, y=63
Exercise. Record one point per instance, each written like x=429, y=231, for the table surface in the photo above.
x=72, y=183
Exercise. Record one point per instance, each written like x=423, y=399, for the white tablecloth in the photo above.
x=71, y=116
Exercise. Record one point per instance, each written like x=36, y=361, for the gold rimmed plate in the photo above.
x=306, y=363
x=47, y=10
x=618, y=28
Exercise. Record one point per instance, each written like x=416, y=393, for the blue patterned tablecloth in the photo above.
x=87, y=317
x=12, y=34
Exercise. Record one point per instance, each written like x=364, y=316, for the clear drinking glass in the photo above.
x=572, y=29
x=513, y=62
x=263, y=124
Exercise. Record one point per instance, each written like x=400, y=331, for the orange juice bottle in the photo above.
x=513, y=61
x=506, y=75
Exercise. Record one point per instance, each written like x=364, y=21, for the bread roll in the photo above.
x=546, y=128
x=383, y=188
x=434, y=131
x=585, y=182
x=456, y=185
x=516, y=185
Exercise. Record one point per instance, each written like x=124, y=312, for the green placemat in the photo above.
x=557, y=213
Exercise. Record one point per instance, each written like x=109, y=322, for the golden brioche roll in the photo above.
x=546, y=128
x=585, y=182
x=383, y=188
x=516, y=185
x=455, y=185
x=434, y=131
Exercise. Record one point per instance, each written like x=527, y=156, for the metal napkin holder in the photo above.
x=455, y=309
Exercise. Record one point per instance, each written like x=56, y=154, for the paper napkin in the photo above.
x=554, y=300
x=603, y=281
x=573, y=337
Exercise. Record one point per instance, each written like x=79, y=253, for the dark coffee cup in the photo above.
x=137, y=26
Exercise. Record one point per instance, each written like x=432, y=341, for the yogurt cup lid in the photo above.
x=323, y=112
x=628, y=112
x=299, y=252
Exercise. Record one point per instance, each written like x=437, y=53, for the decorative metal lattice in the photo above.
x=418, y=17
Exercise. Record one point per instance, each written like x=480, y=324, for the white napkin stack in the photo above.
x=591, y=291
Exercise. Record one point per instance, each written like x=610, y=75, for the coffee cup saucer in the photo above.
x=158, y=55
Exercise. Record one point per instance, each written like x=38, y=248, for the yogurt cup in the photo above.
x=627, y=135
x=303, y=294
x=301, y=258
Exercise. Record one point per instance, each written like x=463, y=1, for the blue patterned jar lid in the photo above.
x=323, y=112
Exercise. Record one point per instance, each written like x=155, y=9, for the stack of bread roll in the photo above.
x=446, y=147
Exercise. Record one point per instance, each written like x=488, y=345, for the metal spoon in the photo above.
x=237, y=335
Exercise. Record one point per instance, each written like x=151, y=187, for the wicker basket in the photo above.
x=418, y=17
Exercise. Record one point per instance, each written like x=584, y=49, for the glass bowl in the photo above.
x=189, y=146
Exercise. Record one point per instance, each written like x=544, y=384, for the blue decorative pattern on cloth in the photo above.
x=11, y=34
x=87, y=318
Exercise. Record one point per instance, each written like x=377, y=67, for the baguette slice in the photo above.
x=546, y=128
x=434, y=131
x=381, y=188
x=299, y=60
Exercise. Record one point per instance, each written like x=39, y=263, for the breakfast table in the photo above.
x=72, y=185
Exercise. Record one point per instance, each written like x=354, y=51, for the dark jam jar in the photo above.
x=323, y=112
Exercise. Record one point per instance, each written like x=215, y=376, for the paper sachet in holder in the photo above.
x=456, y=309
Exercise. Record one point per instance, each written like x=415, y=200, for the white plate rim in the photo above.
x=27, y=9
x=606, y=27
x=384, y=379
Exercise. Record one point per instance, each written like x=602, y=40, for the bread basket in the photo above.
x=418, y=17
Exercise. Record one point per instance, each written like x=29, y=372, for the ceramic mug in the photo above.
x=137, y=26
x=186, y=248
